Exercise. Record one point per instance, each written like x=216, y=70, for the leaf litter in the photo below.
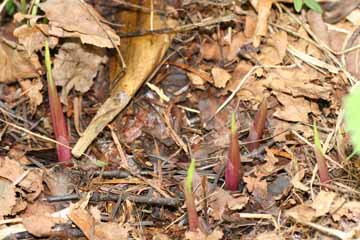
x=165, y=94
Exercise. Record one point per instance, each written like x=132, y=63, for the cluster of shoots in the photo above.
x=57, y=115
x=193, y=218
x=233, y=170
x=320, y=159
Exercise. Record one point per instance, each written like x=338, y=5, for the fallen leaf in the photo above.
x=318, y=27
x=33, y=90
x=301, y=213
x=294, y=109
x=220, y=76
x=33, y=37
x=16, y=64
x=68, y=18
x=41, y=225
x=323, y=202
x=111, y=231
x=296, y=181
x=215, y=235
x=75, y=66
x=7, y=197
x=221, y=200
x=274, y=51
x=264, y=10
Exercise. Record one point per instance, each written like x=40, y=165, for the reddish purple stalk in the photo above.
x=233, y=170
x=57, y=115
x=257, y=129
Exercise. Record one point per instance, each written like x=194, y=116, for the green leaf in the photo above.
x=190, y=174
x=352, y=117
x=317, y=139
x=233, y=123
x=313, y=5
x=298, y=5
x=10, y=7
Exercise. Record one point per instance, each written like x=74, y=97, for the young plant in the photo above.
x=257, y=129
x=352, y=117
x=312, y=4
x=320, y=159
x=189, y=199
x=233, y=169
x=57, y=115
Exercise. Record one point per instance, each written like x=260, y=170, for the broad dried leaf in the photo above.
x=142, y=56
x=294, y=109
x=75, y=66
x=68, y=18
x=220, y=76
x=33, y=37
x=318, y=26
x=33, y=90
x=221, y=200
x=41, y=225
x=302, y=213
x=16, y=65
x=7, y=197
x=111, y=231
x=274, y=51
x=296, y=181
x=323, y=203
x=215, y=235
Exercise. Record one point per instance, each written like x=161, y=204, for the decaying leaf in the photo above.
x=16, y=64
x=75, y=66
x=220, y=76
x=7, y=197
x=33, y=37
x=33, y=90
x=263, y=7
x=41, y=225
x=143, y=55
x=68, y=18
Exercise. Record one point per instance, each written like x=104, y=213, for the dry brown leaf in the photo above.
x=215, y=235
x=10, y=169
x=41, y=225
x=33, y=90
x=221, y=199
x=267, y=236
x=318, y=27
x=250, y=25
x=297, y=82
x=210, y=51
x=264, y=10
x=32, y=184
x=111, y=231
x=274, y=51
x=143, y=54
x=296, y=181
x=237, y=41
x=196, y=80
x=7, y=197
x=354, y=17
x=33, y=38
x=323, y=203
x=294, y=109
x=302, y=213
x=350, y=210
x=220, y=76
x=75, y=66
x=83, y=220
x=269, y=167
x=16, y=65
x=69, y=18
